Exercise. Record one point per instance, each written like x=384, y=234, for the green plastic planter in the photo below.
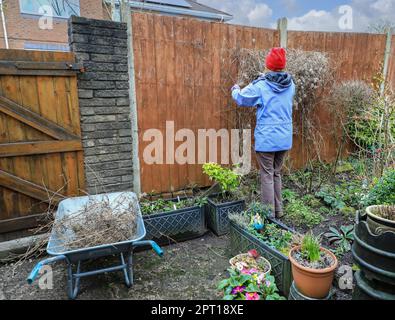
x=241, y=241
x=217, y=214
x=375, y=256
x=178, y=225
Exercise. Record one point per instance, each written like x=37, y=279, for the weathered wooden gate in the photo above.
x=41, y=157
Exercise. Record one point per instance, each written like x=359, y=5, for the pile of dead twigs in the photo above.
x=98, y=222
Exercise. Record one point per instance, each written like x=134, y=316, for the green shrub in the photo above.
x=342, y=238
x=226, y=178
x=341, y=196
x=383, y=192
x=298, y=213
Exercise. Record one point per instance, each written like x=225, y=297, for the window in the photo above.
x=46, y=46
x=59, y=8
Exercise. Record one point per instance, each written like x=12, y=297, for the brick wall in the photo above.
x=104, y=102
x=23, y=28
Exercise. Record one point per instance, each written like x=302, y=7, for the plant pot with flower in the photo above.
x=251, y=262
x=249, y=279
x=225, y=201
x=313, y=268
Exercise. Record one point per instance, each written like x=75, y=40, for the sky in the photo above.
x=309, y=15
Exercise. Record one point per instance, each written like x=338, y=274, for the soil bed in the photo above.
x=189, y=270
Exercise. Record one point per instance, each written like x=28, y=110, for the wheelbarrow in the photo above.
x=73, y=258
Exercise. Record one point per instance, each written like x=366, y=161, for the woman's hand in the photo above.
x=236, y=86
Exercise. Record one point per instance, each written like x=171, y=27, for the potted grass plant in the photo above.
x=172, y=220
x=226, y=201
x=313, y=267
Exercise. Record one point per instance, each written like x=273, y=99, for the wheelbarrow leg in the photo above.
x=128, y=271
x=73, y=283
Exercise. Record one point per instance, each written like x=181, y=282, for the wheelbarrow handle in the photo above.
x=36, y=270
x=151, y=243
x=157, y=249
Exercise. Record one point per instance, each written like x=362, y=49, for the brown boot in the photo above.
x=279, y=214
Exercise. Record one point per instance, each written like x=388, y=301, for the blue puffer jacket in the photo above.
x=273, y=95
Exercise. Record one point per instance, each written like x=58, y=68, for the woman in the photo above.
x=272, y=94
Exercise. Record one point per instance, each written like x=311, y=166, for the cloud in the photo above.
x=384, y=6
x=364, y=14
x=290, y=5
x=258, y=13
x=314, y=20
x=246, y=12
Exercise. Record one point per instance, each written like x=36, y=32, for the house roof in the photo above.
x=195, y=9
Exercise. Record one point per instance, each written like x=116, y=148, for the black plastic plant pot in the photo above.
x=375, y=254
x=174, y=226
x=217, y=214
x=366, y=289
x=241, y=241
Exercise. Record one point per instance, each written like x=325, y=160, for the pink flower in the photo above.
x=245, y=271
x=252, y=296
x=253, y=253
x=249, y=271
x=261, y=278
x=238, y=289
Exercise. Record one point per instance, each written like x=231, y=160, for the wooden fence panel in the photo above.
x=183, y=74
x=184, y=71
x=358, y=57
x=40, y=147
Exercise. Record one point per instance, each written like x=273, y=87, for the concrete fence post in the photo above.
x=126, y=16
x=282, y=25
x=387, y=55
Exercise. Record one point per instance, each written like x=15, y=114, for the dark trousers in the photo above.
x=270, y=164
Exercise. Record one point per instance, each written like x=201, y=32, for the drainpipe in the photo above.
x=4, y=25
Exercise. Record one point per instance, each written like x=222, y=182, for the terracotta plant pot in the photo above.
x=313, y=283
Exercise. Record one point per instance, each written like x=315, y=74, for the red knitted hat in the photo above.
x=276, y=59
